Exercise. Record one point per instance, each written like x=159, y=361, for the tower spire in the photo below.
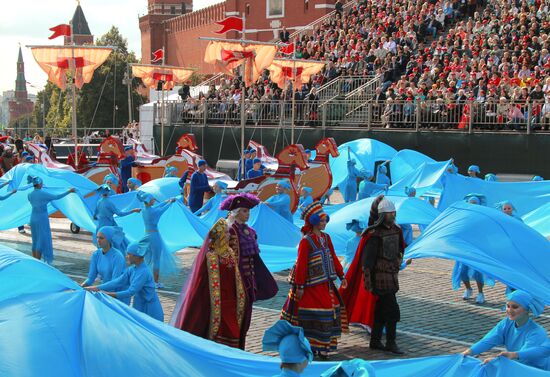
x=20, y=81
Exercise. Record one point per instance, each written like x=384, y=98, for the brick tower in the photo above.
x=81, y=30
x=20, y=105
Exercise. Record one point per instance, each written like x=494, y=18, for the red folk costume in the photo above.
x=320, y=310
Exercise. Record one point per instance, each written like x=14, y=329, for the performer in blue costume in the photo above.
x=293, y=347
x=350, y=184
x=367, y=187
x=305, y=198
x=152, y=244
x=216, y=200
x=133, y=184
x=508, y=208
x=170, y=172
x=244, y=158
x=107, y=262
x=308, y=155
x=105, y=211
x=491, y=177
x=382, y=177
x=256, y=170
x=249, y=163
x=39, y=199
x=463, y=273
x=473, y=171
x=351, y=247
x=280, y=202
x=126, y=165
x=199, y=185
x=537, y=178
x=136, y=282
x=517, y=332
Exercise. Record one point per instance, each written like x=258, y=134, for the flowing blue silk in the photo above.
x=409, y=211
x=539, y=219
x=366, y=153
x=526, y=196
x=16, y=210
x=406, y=161
x=491, y=242
x=428, y=178
x=50, y=327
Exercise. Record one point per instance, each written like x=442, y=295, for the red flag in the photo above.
x=60, y=30
x=231, y=56
x=287, y=49
x=158, y=55
x=230, y=23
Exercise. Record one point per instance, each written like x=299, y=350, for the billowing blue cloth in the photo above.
x=406, y=161
x=429, y=178
x=351, y=249
x=366, y=153
x=272, y=229
x=491, y=242
x=368, y=189
x=70, y=333
x=211, y=205
x=539, y=219
x=526, y=196
x=16, y=209
x=409, y=211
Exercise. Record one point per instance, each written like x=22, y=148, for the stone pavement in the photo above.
x=435, y=319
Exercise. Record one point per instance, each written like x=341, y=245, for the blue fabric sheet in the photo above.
x=539, y=219
x=491, y=242
x=409, y=211
x=526, y=196
x=406, y=161
x=50, y=327
x=16, y=210
x=366, y=153
x=428, y=179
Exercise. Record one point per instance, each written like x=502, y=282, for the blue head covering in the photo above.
x=289, y=340
x=246, y=151
x=170, y=169
x=410, y=191
x=309, y=190
x=128, y=148
x=104, y=189
x=111, y=177
x=201, y=163
x=256, y=161
x=500, y=205
x=135, y=181
x=355, y=367
x=537, y=178
x=24, y=153
x=308, y=151
x=252, y=150
x=34, y=180
x=527, y=301
x=382, y=169
x=113, y=234
x=284, y=184
x=144, y=197
x=355, y=226
x=476, y=198
x=474, y=168
x=134, y=249
x=491, y=177
x=29, y=158
x=221, y=184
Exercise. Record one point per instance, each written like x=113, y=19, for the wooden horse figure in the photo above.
x=111, y=151
x=319, y=176
x=146, y=172
x=290, y=158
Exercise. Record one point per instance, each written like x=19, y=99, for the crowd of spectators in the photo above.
x=448, y=61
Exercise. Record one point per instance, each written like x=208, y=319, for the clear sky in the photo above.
x=27, y=22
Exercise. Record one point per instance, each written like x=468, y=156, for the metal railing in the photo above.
x=465, y=116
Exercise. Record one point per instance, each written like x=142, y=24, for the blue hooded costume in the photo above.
x=381, y=177
x=280, y=203
x=350, y=183
x=305, y=200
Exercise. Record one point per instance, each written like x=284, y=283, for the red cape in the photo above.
x=359, y=302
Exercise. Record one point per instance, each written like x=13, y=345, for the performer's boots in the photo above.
x=391, y=334
x=376, y=336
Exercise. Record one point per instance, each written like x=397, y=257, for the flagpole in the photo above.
x=243, y=91
x=293, y=99
x=73, y=88
x=162, y=113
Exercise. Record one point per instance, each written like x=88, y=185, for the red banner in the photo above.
x=230, y=23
